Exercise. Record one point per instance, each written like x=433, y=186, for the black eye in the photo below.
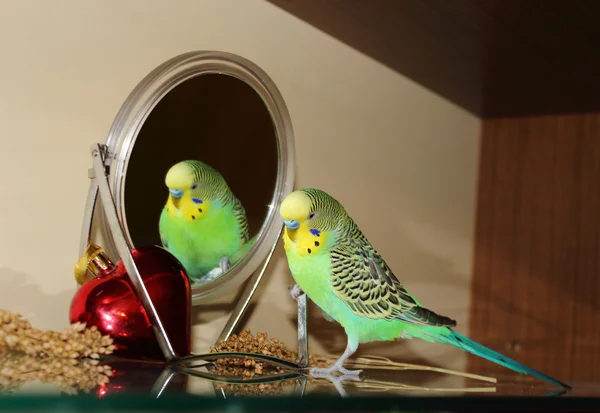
x=195, y=185
x=311, y=216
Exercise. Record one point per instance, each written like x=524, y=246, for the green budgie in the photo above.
x=335, y=265
x=202, y=224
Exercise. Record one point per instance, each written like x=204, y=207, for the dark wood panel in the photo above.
x=493, y=57
x=536, y=271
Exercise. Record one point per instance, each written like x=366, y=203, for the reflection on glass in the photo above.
x=222, y=125
x=32, y=376
x=202, y=224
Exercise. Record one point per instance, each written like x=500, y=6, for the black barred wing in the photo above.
x=240, y=216
x=362, y=279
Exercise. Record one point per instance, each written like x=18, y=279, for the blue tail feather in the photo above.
x=465, y=343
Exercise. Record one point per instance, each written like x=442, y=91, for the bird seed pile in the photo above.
x=245, y=342
x=68, y=359
x=248, y=367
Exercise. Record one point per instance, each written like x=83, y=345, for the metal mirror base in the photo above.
x=99, y=185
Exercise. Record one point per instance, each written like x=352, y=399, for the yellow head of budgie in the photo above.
x=307, y=226
x=295, y=209
x=180, y=177
x=192, y=186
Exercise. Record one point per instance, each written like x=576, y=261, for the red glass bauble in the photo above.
x=109, y=302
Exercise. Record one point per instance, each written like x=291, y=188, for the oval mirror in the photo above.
x=201, y=156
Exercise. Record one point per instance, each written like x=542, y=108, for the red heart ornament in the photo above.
x=109, y=302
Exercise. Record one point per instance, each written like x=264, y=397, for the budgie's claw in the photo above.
x=325, y=372
x=296, y=291
x=337, y=382
x=224, y=264
x=209, y=276
x=350, y=374
x=338, y=366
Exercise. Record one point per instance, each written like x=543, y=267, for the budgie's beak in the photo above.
x=291, y=223
x=176, y=193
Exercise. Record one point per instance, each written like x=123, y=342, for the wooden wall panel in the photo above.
x=536, y=287
x=492, y=57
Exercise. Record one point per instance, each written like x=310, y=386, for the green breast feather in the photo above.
x=199, y=245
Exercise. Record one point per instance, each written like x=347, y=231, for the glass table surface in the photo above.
x=136, y=386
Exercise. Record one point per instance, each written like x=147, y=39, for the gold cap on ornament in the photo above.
x=93, y=260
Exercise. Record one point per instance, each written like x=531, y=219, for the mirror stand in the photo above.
x=244, y=301
x=99, y=187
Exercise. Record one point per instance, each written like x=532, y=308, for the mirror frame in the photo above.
x=137, y=107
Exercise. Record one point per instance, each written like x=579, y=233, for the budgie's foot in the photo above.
x=296, y=291
x=337, y=382
x=224, y=265
x=326, y=372
x=350, y=374
x=209, y=276
x=338, y=366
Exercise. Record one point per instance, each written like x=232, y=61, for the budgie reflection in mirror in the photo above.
x=335, y=265
x=202, y=223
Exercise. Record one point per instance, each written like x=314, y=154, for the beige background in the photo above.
x=400, y=158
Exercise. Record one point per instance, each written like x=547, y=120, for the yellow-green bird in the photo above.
x=202, y=223
x=335, y=265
